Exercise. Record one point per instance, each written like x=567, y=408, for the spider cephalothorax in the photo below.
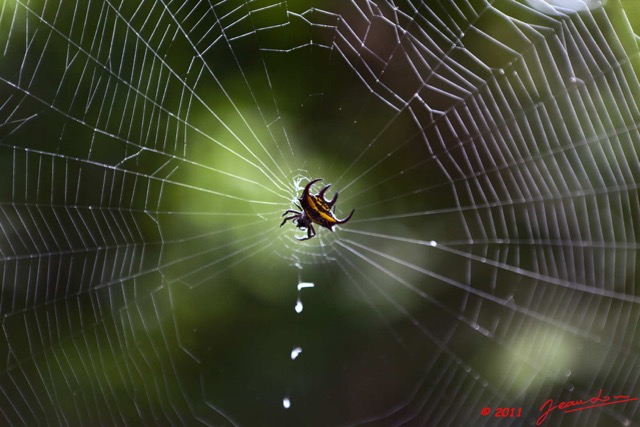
x=314, y=209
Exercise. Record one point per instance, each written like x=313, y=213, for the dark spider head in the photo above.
x=302, y=222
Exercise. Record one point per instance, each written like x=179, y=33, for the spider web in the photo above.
x=148, y=151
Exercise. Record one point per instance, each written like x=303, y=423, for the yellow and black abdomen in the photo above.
x=319, y=211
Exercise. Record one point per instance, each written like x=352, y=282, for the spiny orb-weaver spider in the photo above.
x=314, y=209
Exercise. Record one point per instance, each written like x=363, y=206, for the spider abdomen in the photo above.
x=315, y=209
x=319, y=211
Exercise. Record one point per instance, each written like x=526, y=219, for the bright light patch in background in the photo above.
x=555, y=7
x=149, y=149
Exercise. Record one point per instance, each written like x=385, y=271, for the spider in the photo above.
x=315, y=208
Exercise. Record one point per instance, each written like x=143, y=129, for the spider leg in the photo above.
x=288, y=211
x=289, y=217
x=310, y=233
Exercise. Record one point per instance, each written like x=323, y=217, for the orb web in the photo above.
x=149, y=149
